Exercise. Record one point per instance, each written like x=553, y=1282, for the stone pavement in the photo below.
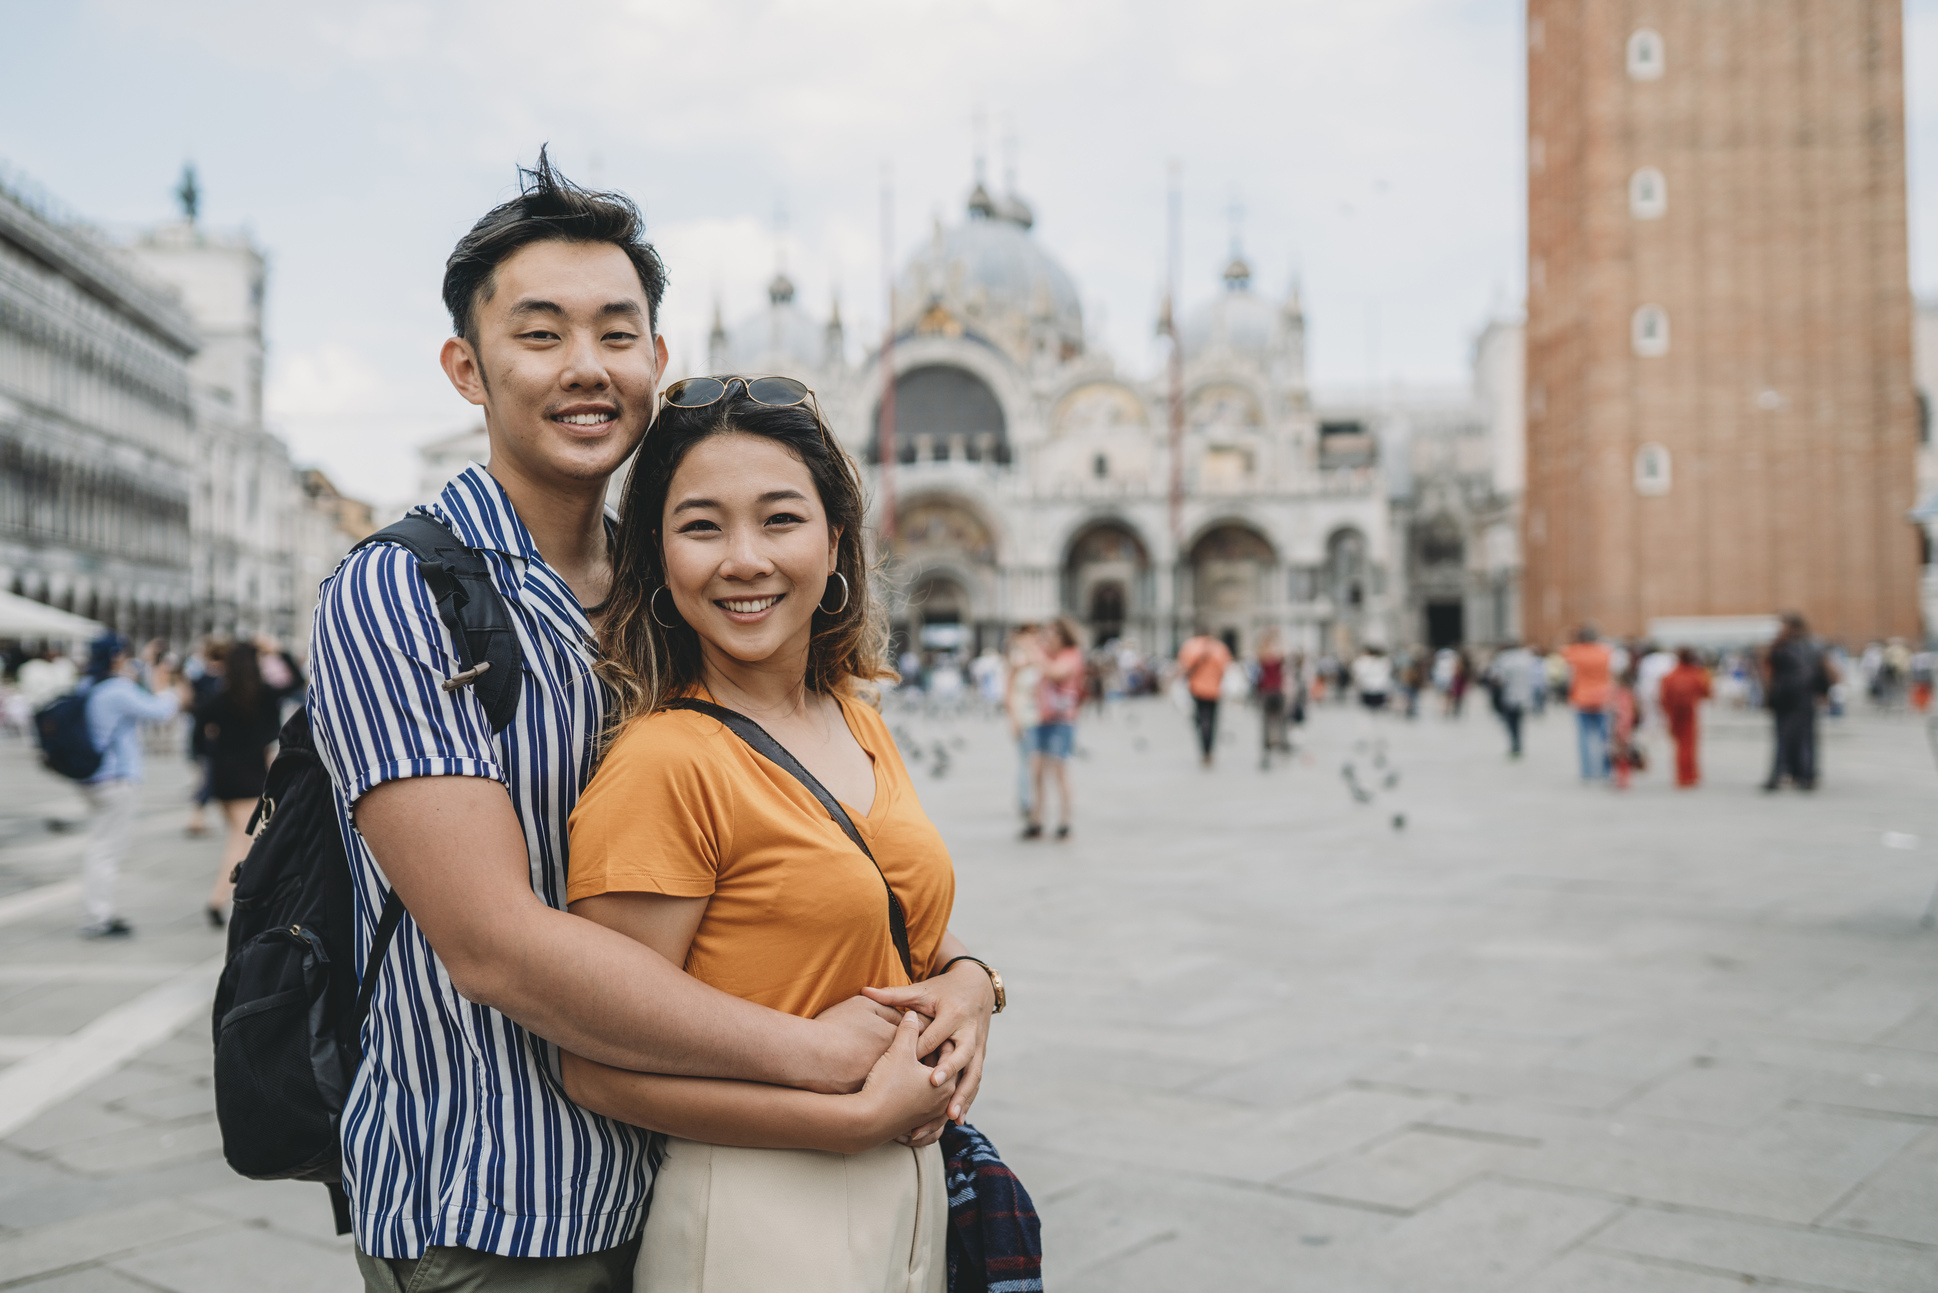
x=1543, y=1038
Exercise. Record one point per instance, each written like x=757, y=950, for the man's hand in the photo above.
x=959, y=1003
x=901, y=1090
x=861, y=1033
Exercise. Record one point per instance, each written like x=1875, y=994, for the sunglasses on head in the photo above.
x=774, y=392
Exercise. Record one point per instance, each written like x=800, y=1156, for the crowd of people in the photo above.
x=221, y=706
x=1625, y=697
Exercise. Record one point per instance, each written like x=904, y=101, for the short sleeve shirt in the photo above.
x=1590, y=664
x=457, y=1130
x=797, y=916
x=1203, y=660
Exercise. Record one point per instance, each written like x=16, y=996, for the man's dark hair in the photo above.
x=548, y=208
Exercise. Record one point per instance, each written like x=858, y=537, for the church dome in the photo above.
x=992, y=269
x=1239, y=320
x=782, y=339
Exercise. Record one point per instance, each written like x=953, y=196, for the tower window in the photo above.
x=1648, y=331
x=1648, y=194
x=1652, y=470
x=1645, y=55
x=1100, y=466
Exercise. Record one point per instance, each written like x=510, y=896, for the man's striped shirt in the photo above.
x=458, y=1131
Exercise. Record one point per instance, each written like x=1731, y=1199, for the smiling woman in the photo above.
x=740, y=580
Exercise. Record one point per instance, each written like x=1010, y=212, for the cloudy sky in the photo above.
x=1372, y=149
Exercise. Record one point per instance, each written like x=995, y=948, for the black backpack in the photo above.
x=66, y=746
x=289, y=1010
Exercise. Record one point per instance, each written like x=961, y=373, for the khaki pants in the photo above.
x=727, y=1220
x=110, y=832
x=462, y=1270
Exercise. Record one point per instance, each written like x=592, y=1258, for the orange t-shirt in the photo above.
x=797, y=919
x=1203, y=660
x=1588, y=663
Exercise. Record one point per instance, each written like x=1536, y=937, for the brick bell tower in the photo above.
x=1721, y=415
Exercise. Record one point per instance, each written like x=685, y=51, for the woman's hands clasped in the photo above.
x=901, y=1091
x=958, y=1005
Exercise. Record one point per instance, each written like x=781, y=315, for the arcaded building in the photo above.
x=97, y=426
x=1721, y=417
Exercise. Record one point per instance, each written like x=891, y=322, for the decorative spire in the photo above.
x=188, y=193
x=717, y=358
x=1238, y=274
x=834, y=338
x=779, y=292
x=981, y=205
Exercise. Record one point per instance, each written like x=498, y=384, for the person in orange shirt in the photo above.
x=1684, y=688
x=1590, y=662
x=1202, y=662
x=740, y=581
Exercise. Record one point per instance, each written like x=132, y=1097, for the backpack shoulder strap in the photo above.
x=470, y=606
x=774, y=752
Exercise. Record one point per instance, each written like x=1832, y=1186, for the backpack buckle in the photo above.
x=466, y=678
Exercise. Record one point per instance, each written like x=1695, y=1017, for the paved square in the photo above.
x=1545, y=1037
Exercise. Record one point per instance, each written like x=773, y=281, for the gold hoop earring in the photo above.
x=652, y=608
x=844, y=595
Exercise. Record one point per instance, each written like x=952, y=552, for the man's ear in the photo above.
x=461, y=365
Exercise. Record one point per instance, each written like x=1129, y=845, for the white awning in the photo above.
x=22, y=617
x=1713, y=632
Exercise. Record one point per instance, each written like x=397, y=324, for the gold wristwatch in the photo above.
x=995, y=979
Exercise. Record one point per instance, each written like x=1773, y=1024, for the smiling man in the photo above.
x=465, y=1164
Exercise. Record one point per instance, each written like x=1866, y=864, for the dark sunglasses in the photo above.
x=774, y=392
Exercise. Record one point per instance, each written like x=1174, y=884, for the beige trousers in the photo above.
x=728, y=1220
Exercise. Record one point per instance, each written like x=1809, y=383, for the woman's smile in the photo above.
x=749, y=610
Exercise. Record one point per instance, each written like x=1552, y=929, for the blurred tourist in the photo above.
x=1019, y=701
x=45, y=679
x=1412, y=676
x=204, y=674
x=1590, y=665
x=1201, y=663
x=1653, y=664
x=1059, y=695
x=239, y=722
x=1624, y=754
x=117, y=706
x=1460, y=677
x=1796, y=675
x=1373, y=677
x=991, y=678
x=1683, y=689
x=1516, y=678
x=1272, y=696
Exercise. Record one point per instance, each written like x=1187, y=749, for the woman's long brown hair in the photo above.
x=647, y=664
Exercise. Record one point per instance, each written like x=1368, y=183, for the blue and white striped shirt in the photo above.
x=458, y=1131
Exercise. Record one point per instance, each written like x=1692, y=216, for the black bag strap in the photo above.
x=472, y=609
x=765, y=745
x=470, y=606
x=393, y=916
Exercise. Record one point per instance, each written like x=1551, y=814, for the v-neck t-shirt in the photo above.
x=796, y=917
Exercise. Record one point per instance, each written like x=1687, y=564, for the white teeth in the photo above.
x=753, y=607
x=584, y=419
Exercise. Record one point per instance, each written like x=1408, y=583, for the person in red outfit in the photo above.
x=1683, y=688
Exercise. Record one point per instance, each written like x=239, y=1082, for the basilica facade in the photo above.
x=1028, y=477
